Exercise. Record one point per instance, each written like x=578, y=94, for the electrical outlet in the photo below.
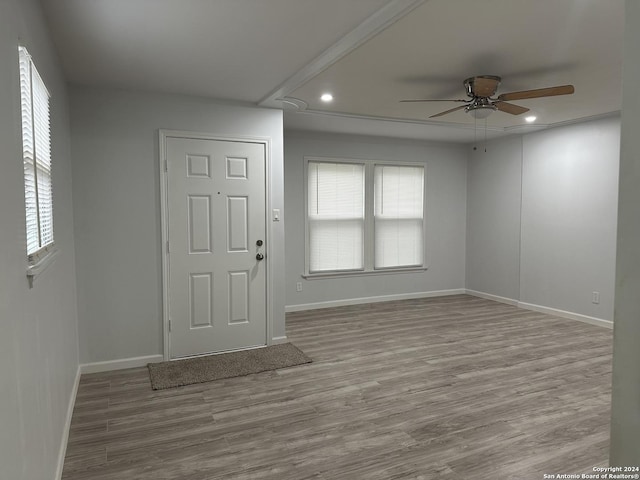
x=299, y=287
x=595, y=297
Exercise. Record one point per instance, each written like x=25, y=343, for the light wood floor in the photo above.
x=444, y=388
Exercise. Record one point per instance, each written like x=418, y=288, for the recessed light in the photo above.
x=530, y=119
x=326, y=97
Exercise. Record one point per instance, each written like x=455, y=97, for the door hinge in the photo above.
x=169, y=325
x=166, y=165
x=168, y=250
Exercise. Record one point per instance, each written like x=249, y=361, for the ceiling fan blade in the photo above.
x=510, y=108
x=447, y=111
x=429, y=100
x=484, y=86
x=540, y=92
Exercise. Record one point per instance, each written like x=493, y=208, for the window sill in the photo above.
x=387, y=271
x=41, y=265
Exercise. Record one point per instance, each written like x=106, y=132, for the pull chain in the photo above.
x=485, y=135
x=475, y=133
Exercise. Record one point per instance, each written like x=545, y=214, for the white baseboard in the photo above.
x=600, y=322
x=279, y=340
x=382, y=298
x=495, y=298
x=62, y=453
x=120, y=364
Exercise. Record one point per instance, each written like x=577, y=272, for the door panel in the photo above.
x=199, y=225
x=238, y=297
x=238, y=224
x=216, y=214
x=201, y=299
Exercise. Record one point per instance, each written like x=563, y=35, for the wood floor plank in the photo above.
x=440, y=388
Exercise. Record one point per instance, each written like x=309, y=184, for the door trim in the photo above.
x=163, y=136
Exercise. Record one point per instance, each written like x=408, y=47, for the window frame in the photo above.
x=369, y=219
x=37, y=260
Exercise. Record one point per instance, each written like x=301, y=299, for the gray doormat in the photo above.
x=224, y=365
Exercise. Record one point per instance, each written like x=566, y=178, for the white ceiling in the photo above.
x=369, y=53
x=229, y=49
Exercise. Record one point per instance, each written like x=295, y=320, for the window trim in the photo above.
x=369, y=219
x=38, y=267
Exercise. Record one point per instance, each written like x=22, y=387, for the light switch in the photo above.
x=276, y=214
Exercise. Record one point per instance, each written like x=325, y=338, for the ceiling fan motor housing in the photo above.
x=482, y=86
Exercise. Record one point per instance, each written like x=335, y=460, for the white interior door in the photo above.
x=216, y=230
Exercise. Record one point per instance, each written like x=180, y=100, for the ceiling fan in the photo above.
x=481, y=103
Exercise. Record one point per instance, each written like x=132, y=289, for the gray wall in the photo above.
x=446, y=214
x=494, y=193
x=117, y=210
x=542, y=217
x=569, y=211
x=625, y=414
x=39, y=340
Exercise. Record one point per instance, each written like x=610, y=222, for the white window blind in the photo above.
x=36, y=149
x=399, y=212
x=336, y=216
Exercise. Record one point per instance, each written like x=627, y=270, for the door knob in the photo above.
x=259, y=256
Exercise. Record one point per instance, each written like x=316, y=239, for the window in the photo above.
x=364, y=216
x=336, y=216
x=399, y=214
x=36, y=154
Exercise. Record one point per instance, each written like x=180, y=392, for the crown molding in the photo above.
x=460, y=133
x=461, y=126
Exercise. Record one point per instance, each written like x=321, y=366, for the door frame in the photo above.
x=163, y=136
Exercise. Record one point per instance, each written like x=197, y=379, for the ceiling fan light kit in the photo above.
x=480, y=112
x=481, y=90
x=480, y=109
